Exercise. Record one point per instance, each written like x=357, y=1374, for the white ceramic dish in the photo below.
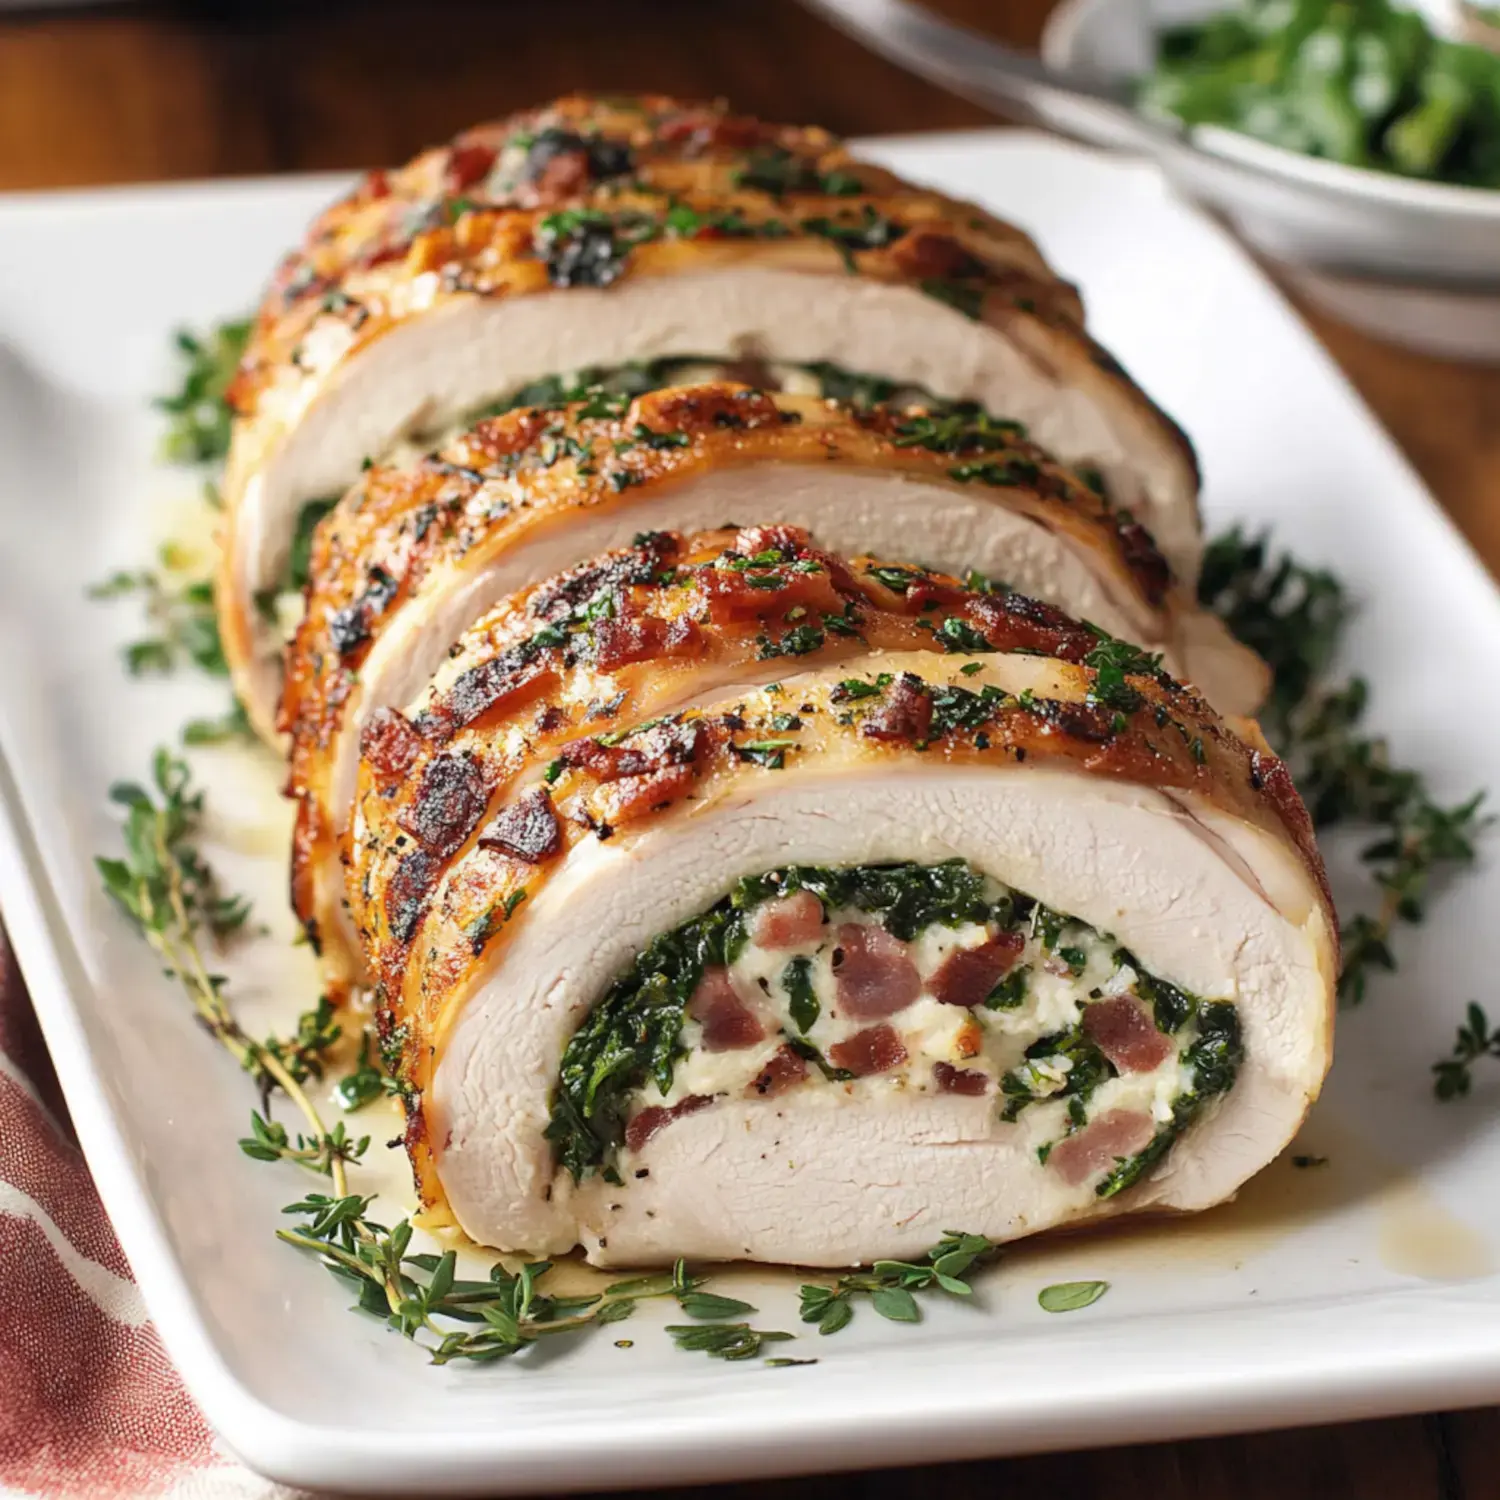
x=1368, y=241
x=1363, y=1287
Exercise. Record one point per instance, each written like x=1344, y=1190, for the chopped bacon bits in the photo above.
x=633, y=797
x=784, y=1070
x=407, y=892
x=1126, y=1035
x=619, y=643
x=491, y=685
x=734, y=594
x=876, y=1049
x=527, y=830
x=906, y=714
x=928, y=254
x=729, y=1025
x=967, y=975
x=563, y=175
x=449, y=801
x=389, y=744
x=467, y=165
x=873, y=971
x=656, y=1117
x=788, y=922
x=951, y=1080
x=1115, y=1135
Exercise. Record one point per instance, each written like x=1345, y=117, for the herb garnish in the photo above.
x=1295, y=617
x=171, y=897
x=1069, y=1296
x=870, y=231
x=724, y=1340
x=1452, y=1078
x=199, y=415
x=182, y=612
x=964, y=297
x=778, y=172
x=890, y=1285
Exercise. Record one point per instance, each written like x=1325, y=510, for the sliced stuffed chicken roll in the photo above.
x=592, y=236
x=415, y=554
x=819, y=970
x=633, y=635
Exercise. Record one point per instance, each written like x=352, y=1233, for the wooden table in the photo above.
x=140, y=92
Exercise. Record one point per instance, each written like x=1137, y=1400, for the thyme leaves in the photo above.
x=198, y=412
x=181, y=613
x=1453, y=1076
x=891, y=1286
x=1295, y=616
x=1070, y=1296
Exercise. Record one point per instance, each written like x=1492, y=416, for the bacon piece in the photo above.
x=788, y=922
x=876, y=1049
x=967, y=975
x=729, y=1025
x=390, y=744
x=1126, y=1035
x=783, y=1071
x=633, y=796
x=656, y=1117
x=527, y=830
x=407, y=892
x=448, y=802
x=951, y=1080
x=467, y=164
x=874, y=972
x=751, y=541
x=906, y=714
x=618, y=643
x=732, y=596
x=1116, y=1134
x=927, y=253
x=562, y=176
x=494, y=684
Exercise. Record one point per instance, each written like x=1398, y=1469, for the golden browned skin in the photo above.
x=626, y=637
x=402, y=536
x=476, y=209
x=1140, y=729
x=591, y=193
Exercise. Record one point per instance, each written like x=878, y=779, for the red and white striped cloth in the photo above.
x=90, y=1406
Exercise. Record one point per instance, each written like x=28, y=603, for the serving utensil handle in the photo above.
x=987, y=72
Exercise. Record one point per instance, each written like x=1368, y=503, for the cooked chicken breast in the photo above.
x=818, y=970
x=593, y=235
x=414, y=555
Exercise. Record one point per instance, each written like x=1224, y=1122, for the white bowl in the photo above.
x=1363, y=244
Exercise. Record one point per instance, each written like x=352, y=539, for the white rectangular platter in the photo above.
x=1371, y=1285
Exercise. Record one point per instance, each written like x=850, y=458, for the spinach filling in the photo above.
x=295, y=571
x=632, y=1038
x=829, y=381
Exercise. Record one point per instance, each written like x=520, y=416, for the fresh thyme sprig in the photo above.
x=172, y=898
x=725, y=1340
x=198, y=412
x=891, y=1284
x=182, y=612
x=1291, y=615
x=367, y=1080
x=186, y=629
x=1452, y=1078
x=1295, y=617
